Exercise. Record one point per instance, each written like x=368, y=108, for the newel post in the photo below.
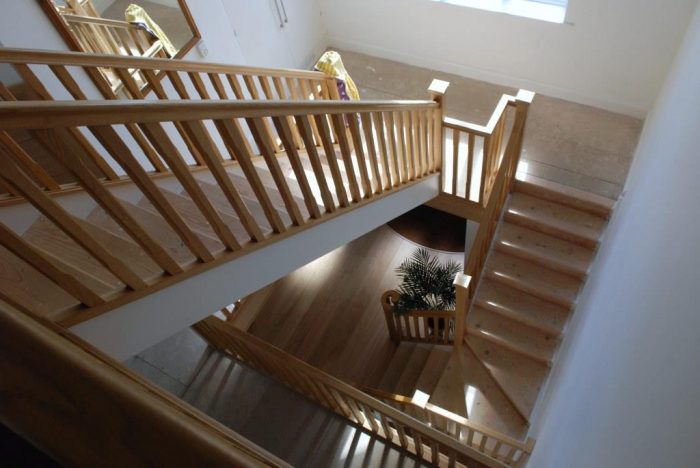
x=522, y=104
x=437, y=91
x=461, y=285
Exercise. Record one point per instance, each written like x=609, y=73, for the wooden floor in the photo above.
x=328, y=312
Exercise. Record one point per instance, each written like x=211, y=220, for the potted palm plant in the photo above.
x=426, y=284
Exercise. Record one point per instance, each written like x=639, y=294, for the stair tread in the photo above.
x=528, y=340
x=192, y=216
x=221, y=203
x=412, y=369
x=487, y=404
x=275, y=196
x=534, y=279
x=449, y=390
x=570, y=196
x=45, y=235
x=515, y=303
x=153, y=224
x=396, y=366
x=550, y=251
x=521, y=378
x=556, y=219
x=434, y=365
x=130, y=253
x=21, y=283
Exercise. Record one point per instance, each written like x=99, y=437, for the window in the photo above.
x=546, y=10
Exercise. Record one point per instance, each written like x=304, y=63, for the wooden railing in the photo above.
x=423, y=326
x=48, y=75
x=507, y=450
x=85, y=409
x=370, y=414
x=501, y=187
x=368, y=177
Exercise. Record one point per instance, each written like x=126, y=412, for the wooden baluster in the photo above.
x=393, y=148
x=27, y=163
x=452, y=458
x=416, y=330
x=255, y=95
x=342, y=403
x=415, y=159
x=369, y=414
x=403, y=440
x=470, y=437
x=434, y=453
x=221, y=91
x=61, y=218
x=510, y=456
x=488, y=142
x=71, y=156
x=35, y=85
x=210, y=153
x=160, y=140
x=418, y=443
x=346, y=153
x=306, y=93
x=181, y=91
x=482, y=442
x=456, y=134
x=285, y=133
x=46, y=265
x=496, y=449
x=470, y=164
x=359, y=154
x=109, y=139
x=282, y=94
x=404, y=139
x=423, y=119
x=378, y=120
x=257, y=127
x=235, y=86
x=302, y=123
x=67, y=81
x=234, y=140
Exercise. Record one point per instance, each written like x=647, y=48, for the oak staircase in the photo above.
x=113, y=192
x=538, y=260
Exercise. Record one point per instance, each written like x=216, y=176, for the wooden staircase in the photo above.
x=21, y=283
x=538, y=261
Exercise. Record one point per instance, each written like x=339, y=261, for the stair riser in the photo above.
x=520, y=319
x=511, y=347
x=562, y=198
x=526, y=222
x=542, y=261
x=530, y=290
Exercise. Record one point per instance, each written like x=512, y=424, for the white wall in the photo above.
x=625, y=391
x=615, y=54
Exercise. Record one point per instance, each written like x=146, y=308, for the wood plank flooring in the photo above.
x=328, y=312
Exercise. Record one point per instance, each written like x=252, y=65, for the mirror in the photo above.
x=137, y=28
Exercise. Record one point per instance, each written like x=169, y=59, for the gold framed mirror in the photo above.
x=137, y=28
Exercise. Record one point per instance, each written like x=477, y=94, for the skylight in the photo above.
x=546, y=10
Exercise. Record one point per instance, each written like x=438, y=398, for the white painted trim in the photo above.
x=489, y=76
x=136, y=326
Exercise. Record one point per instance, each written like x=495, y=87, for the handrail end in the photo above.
x=525, y=96
x=438, y=87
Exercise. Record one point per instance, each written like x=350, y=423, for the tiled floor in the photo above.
x=569, y=143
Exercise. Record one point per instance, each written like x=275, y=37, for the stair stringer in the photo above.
x=133, y=327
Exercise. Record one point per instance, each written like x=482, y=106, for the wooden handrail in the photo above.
x=212, y=138
x=459, y=427
x=26, y=115
x=482, y=130
x=79, y=59
x=355, y=405
x=85, y=409
x=71, y=18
